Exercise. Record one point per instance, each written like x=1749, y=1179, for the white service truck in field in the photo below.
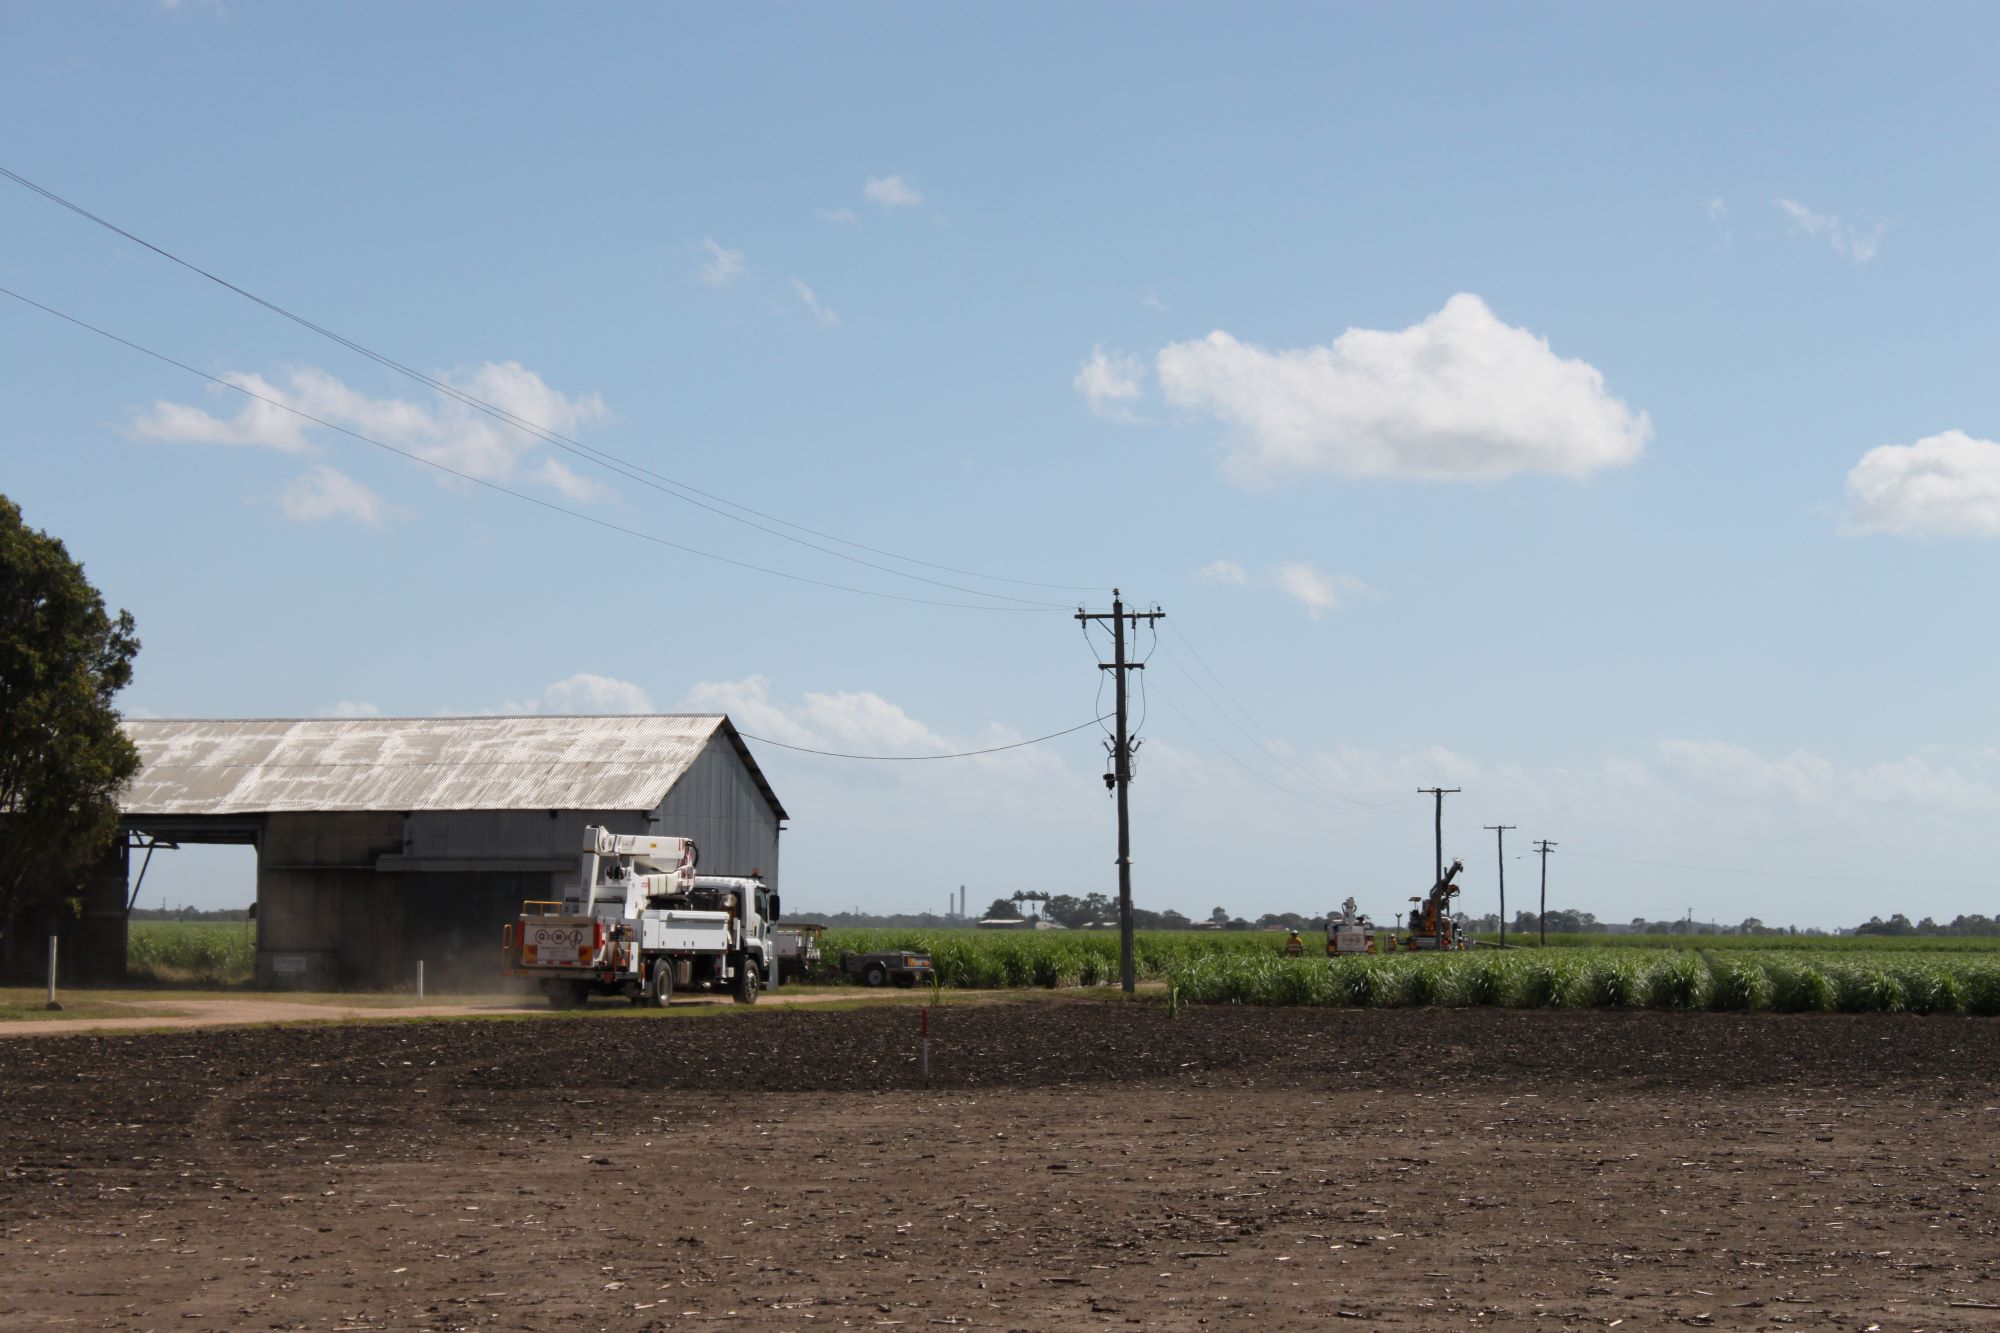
x=640, y=923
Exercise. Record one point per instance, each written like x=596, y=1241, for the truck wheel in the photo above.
x=748, y=977
x=563, y=994
x=662, y=992
x=876, y=975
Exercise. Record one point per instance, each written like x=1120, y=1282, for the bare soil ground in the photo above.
x=22, y=1013
x=1073, y=1165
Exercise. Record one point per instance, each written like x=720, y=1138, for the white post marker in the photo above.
x=420, y=978
x=927, y=1046
x=53, y=1003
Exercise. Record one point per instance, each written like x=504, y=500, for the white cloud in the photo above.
x=892, y=192
x=840, y=215
x=1733, y=771
x=259, y=424
x=858, y=723
x=1942, y=486
x=1318, y=593
x=557, y=476
x=442, y=430
x=1718, y=211
x=1846, y=239
x=350, y=708
x=1459, y=396
x=325, y=493
x=810, y=300
x=585, y=693
x=1221, y=571
x=1152, y=301
x=722, y=267
x=1717, y=769
x=1110, y=382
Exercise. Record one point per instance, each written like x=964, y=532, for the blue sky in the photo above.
x=1589, y=407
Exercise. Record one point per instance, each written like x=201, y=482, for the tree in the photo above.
x=63, y=756
x=1065, y=909
x=1003, y=909
x=1220, y=916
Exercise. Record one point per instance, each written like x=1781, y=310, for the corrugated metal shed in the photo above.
x=268, y=765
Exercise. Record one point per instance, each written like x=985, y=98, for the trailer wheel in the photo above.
x=748, y=976
x=663, y=983
x=875, y=975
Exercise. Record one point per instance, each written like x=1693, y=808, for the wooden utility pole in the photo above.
x=1120, y=776
x=1500, y=848
x=1542, y=918
x=1440, y=792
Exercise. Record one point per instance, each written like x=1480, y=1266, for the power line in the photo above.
x=1260, y=748
x=1544, y=847
x=913, y=758
x=1230, y=755
x=1269, y=745
x=494, y=485
x=1499, y=832
x=1120, y=776
x=603, y=458
x=1440, y=793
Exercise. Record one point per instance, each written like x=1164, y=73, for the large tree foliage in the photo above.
x=63, y=756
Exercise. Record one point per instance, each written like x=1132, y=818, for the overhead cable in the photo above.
x=1263, y=748
x=623, y=467
x=494, y=485
x=1230, y=755
x=914, y=758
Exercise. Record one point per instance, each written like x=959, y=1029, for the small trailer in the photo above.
x=905, y=967
x=640, y=923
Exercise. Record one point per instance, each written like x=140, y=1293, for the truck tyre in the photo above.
x=875, y=975
x=662, y=991
x=748, y=975
x=563, y=994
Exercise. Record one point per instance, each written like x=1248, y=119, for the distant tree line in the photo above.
x=1099, y=909
x=190, y=914
x=1901, y=925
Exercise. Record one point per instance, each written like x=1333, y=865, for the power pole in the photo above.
x=1542, y=920
x=1440, y=793
x=1121, y=769
x=1500, y=848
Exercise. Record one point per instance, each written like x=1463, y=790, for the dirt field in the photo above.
x=22, y=1013
x=1075, y=1164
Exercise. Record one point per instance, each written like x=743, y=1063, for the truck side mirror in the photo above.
x=776, y=914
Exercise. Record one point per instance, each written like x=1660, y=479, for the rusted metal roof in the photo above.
x=264, y=765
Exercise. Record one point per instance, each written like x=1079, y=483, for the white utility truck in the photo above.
x=640, y=923
x=1350, y=932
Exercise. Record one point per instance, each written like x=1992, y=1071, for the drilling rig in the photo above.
x=1431, y=923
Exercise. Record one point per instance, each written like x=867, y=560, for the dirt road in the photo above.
x=1073, y=1165
x=171, y=1012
